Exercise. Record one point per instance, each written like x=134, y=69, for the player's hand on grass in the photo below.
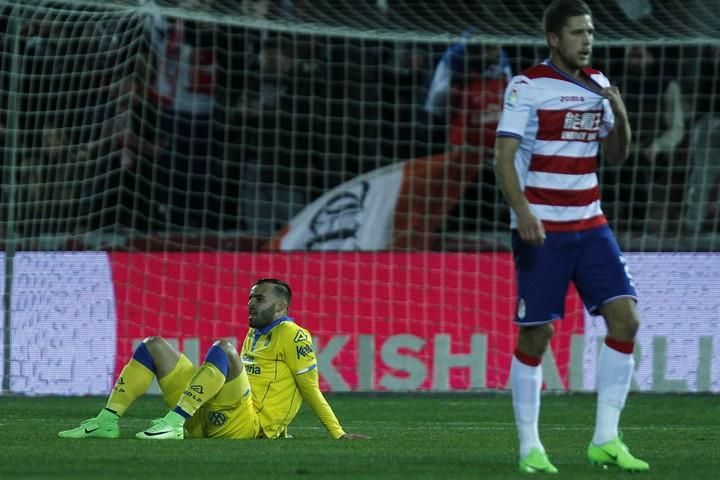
x=354, y=436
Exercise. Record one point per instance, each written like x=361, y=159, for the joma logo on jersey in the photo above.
x=252, y=369
x=304, y=351
x=572, y=98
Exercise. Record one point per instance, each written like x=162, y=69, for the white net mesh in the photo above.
x=157, y=130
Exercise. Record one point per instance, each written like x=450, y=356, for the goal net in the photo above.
x=159, y=156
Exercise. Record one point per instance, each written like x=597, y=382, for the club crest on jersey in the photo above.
x=217, y=418
x=521, y=309
x=300, y=337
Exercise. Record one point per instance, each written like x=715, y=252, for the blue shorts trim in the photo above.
x=591, y=259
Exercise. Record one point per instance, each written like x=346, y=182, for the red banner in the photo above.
x=382, y=320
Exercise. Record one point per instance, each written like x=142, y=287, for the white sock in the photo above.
x=526, y=383
x=613, y=384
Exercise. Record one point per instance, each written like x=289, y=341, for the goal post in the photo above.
x=159, y=156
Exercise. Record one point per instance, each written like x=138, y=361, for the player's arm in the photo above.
x=309, y=385
x=300, y=358
x=616, y=145
x=530, y=227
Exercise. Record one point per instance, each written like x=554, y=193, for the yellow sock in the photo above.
x=133, y=381
x=204, y=385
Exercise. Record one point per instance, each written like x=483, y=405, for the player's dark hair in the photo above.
x=557, y=13
x=280, y=288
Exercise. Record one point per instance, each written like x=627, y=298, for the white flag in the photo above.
x=395, y=207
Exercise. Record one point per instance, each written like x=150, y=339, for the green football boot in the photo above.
x=163, y=429
x=105, y=425
x=615, y=452
x=537, y=461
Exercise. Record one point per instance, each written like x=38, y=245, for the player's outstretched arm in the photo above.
x=309, y=385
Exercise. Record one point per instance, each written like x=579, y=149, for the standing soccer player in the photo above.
x=255, y=394
x=555, y=115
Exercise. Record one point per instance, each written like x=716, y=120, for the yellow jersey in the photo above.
x=282, y=368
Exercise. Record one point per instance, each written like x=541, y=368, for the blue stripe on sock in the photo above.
x=142, y=355
x=219, y=358
x=181, y=412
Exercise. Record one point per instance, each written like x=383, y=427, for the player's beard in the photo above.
x=574, y=61
x=263, y=317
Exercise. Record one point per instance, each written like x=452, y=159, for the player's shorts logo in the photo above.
x=217, y=418
x=521, y=309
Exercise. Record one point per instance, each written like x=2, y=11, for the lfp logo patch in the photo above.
x=512, y=98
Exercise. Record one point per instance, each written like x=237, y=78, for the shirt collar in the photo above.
x=273, y=324
x=550, y=64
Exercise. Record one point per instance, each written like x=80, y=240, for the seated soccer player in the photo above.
x=255, y=394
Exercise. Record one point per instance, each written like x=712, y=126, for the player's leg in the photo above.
x=154, y=356
x=606, y=286
x=614, y=373
x=231, y=413
x=543, y=275
x=222, y=364
x=526, y=384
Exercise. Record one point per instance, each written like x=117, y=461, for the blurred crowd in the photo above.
x=151, y=123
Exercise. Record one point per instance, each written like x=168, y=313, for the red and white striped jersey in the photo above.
x=559, y=122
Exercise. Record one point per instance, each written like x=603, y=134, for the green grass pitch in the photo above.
x=414, y=437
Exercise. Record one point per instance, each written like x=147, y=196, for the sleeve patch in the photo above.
x=300, y=337
x=512, y=98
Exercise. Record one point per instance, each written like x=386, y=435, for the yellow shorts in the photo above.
x=229, y=414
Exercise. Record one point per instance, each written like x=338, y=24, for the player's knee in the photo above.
x=542, y=333
x=535, y=339
x=632, y=325
x=226, y=346
x=622, y=320
x=153, y=340
x=235, y=366
x=624, y=328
